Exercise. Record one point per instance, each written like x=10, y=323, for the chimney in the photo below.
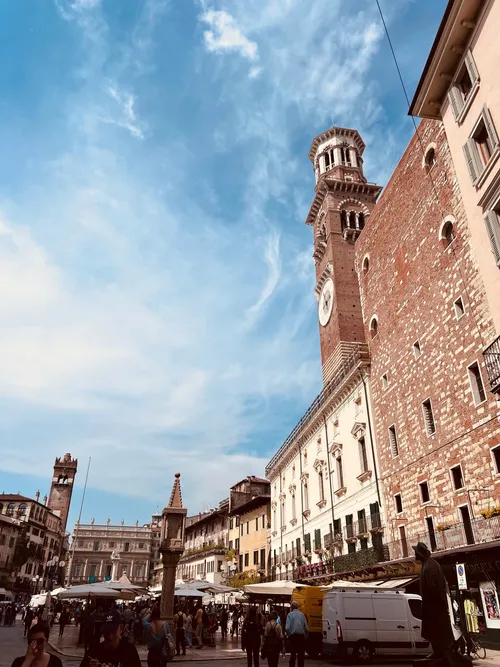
x=37, y=496
x=45, y=500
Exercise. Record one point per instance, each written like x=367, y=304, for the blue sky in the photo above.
x=156, y=279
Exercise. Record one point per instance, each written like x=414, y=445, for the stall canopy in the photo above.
x=271, y=588
x=188, y=593
x=89, y=590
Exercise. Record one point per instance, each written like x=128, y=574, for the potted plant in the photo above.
x=441, y=527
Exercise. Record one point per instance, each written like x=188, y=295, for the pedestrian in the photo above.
x=89, y=630
x=36, y=653
x=112, y=651
x=273, y=640
x=180, y=632
x=28, y=620
x=189, y=629
x=63, y=621
x=436, y=623
x=251, y=633
x=296, y=630
x=212, y=628
x=234, y=623
x=224, y=618
x=1, y=613
x=198, y=622
x=156, y=636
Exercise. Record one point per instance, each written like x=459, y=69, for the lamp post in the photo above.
x=35, y=582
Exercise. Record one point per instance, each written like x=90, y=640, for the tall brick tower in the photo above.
x=61, y=488
x=338, y=214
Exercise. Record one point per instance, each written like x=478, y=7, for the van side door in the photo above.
x=393, y=626
x=421, y=646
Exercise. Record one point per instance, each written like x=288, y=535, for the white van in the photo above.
x=364, y=622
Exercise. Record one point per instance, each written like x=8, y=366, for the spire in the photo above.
x=176, y=495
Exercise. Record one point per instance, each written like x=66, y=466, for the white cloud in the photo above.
x=272, y=259
x=127, y=118
x=226, y=35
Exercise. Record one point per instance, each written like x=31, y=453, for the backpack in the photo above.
x=180, y=620
x=273, y=640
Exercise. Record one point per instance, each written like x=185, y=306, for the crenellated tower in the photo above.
x=338, y=214
x=61, y=488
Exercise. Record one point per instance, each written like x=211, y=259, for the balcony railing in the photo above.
x=492, y=361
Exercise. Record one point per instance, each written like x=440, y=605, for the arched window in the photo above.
x=447, y=232
x=343, y=219
x=306, y=496
x=366, y=264
x=22, y=509
x=10, y=509
x=1, y=508
x=430, y=157
x=60, y=479
x=361, y=220
x=373, y=326
x=352, y=220
x=65, y=479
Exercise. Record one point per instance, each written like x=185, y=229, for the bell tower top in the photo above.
x=338, y=152
x=61, y=488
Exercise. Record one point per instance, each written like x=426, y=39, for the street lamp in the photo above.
x=36, y=579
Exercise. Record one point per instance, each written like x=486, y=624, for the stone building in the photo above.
x=250, y=503
x=100, y=552
x=325, y=491
x=206, y=543
x=10, y=530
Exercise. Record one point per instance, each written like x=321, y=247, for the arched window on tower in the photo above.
x=344, y=156
x=22, y=509
x=60, y=479
x=343, y=220
x=65, y=479
x=352, y=220
x=361, y=220
x=10, y=509
x=327, y=160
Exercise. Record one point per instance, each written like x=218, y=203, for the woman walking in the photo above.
x=156, y=636
x=251, y=633
x=273, y=640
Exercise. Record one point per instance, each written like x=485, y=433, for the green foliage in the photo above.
x=359, y=559
x=490, y=513
x=243, y=578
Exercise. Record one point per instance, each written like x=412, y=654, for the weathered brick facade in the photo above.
x=411, y=283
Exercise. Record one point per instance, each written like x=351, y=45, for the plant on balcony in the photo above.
x=299, y=561
x=358, y=559
x=441, y=527
x=491, y=512
x=230, y=555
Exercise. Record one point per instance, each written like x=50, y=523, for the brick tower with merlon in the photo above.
x=61, y=488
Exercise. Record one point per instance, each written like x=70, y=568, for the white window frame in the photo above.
x=458, y=465
x=492, y=224
x=373, y=333
x=474, y=395
x=459, y=315
x=496, y=467
x=426, y=422
x=398, y=513
x=422, y=501
x=445, y=221
x=394, y=449
x=478, y=170
x=459, y=106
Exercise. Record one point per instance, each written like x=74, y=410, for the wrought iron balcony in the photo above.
x=492, y=361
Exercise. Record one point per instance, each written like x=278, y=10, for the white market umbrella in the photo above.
x=188, y=593
x=89, y=590
x=56, y=591
x=272, y=588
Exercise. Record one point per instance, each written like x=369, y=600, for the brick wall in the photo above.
x=411, y=284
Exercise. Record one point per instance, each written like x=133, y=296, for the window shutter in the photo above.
x=471, y=67
x=489, y=126
x=493, y=228
x=470, y=157
x=456, y=101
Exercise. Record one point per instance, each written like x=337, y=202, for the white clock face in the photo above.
x=325, y=302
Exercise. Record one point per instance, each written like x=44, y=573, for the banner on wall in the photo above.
x=491, y=605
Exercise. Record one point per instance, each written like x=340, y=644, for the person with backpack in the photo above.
x=180, y=632
x=224, y=619
x=251, y=633
x=156, y=635
x=273, y=640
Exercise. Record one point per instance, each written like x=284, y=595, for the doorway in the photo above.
x=404, y=543
x=430, y=531
x=467, y=523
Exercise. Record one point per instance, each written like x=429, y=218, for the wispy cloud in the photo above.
x=226, y=35
x=127, y=117
x=272, y=260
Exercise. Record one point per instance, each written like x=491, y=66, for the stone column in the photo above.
x=172, y=547
x=100, y=569
x=338, y=155
x=85, y=568
x=354, y=159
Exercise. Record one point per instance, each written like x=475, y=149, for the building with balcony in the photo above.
x=250, y=503
x=325, y=487
x=10, y=531
x=205, y=546
x=99, y=552
x=460, y=87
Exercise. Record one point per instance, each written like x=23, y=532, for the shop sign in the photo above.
x=461, y=578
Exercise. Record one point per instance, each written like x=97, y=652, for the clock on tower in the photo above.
x=338, y=214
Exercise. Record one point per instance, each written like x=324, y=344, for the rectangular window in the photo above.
x=398, y=503
x=257, y=523
x=337, y=527
x=305, y=489
x=247, y=559
x=349, y=529
x=430, y=425
x=481, y=145
x=458, y=305
x=95, y=546
x=263, y=521
x=495, y=453
x=340, y=473
x=107, y=570
x=416, y=349
x=457, y=477
x=298, y=547
x=492, y=222
x=248, y=527
x=462, y=90
x=424, y=492
x=141, y=545
x=256, y=557
x=307, y=542
x=317, y=538
x=385, y=381
x=241, y=533
x=231, y=521
x=393, y=441
x=230, y=547
x=321, y=486
x=240, y=563
x=237, y=521
x=262, y=559
x=127, y=546
x=363, y=459
x=476, y=383
x=93, y=570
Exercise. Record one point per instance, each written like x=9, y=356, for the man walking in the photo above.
x=28, y=620
x=296, y=630
x=180, y=632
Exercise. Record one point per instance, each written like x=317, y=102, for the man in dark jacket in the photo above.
x=436, y=623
